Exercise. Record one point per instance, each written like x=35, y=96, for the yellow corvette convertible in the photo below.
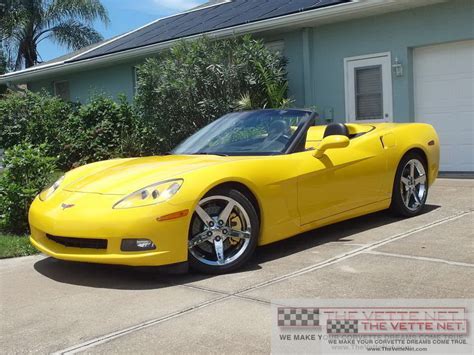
x=247, y=179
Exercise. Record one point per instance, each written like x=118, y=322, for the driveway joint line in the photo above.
x=223, y=293
x=203, y=289
x=251, y=298
x=422, y=258
x=117, y=334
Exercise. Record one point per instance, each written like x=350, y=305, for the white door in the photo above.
x=444, y=97
x=368, y=86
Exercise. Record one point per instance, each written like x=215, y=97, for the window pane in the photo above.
x=368, y=89
x=61, y=89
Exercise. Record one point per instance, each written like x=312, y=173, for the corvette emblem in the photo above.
x=65, y=206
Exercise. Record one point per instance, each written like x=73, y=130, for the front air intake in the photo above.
x=79, y=242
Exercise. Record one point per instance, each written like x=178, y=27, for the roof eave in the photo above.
x=327, y=14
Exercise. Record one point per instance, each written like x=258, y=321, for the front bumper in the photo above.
x=93, y=217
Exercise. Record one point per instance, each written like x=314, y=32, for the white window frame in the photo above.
x=350, y=64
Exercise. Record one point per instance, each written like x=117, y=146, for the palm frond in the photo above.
x=83, y=10
x=25, y=23
x=244, y=103
x=74, y=35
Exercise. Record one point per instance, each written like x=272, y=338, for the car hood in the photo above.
x=124, y=176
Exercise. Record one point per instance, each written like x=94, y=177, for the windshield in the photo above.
x=264, y=132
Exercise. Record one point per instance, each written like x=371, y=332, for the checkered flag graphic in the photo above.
x=342, y=326
x=298, y=317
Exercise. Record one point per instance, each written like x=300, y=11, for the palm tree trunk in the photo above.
x=27, y=53
x=31, y=56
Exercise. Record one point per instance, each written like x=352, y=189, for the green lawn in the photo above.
x=12, y=246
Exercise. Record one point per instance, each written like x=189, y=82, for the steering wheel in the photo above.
x=284, y=138
x=281, y=138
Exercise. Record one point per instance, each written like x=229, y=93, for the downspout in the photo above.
x=307, y=73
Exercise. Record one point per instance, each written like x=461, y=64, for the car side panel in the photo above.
x=419, y=136
x=343, y=179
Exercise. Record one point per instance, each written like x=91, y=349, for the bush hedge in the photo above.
x=35, y=118
x=74, y=134
x=27, y=171
x=101, y=130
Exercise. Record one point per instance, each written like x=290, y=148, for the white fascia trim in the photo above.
x=269, y=24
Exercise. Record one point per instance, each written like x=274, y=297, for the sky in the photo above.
x=125, y=15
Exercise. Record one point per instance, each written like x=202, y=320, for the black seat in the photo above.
x=336, y=129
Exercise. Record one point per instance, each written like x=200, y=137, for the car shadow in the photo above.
x=132, y=278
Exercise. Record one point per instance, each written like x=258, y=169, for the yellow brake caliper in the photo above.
x=235, y=223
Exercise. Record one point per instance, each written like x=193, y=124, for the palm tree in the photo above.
x=25, y=23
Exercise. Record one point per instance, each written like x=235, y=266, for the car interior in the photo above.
x=317, y=133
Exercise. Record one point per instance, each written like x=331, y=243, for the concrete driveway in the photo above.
x=53, y=306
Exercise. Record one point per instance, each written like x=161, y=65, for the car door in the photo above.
x=343, y=179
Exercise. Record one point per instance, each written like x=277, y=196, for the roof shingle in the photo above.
x=208, y=19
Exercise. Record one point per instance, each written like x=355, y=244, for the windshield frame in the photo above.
x=291, y=146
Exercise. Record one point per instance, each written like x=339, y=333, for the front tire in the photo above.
x=223, y=233
x=410, y=189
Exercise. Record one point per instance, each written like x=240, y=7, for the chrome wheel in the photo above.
x=220, y=231
x=413, y=187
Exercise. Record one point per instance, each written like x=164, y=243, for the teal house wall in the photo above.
x=113, y=81
x=397, y=33
x=316, y=57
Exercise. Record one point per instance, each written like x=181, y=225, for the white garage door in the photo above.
x=444, y=97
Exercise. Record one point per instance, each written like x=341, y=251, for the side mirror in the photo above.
x=331, y=142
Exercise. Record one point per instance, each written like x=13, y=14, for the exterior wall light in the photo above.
x=397, y=67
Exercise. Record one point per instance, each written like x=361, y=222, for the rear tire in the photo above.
x=410, y=189
x=223, y=233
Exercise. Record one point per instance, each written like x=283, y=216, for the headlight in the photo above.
x=151, y=195
x=46, y=193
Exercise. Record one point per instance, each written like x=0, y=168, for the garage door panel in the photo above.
x=442, y=93
x=451, y=134
x=457, y=157
x=454, y=58
x=444, y=97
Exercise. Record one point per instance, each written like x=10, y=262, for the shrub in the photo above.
x=36, y=118
x=101, y=129
x=196, y=82
x=27, y=171
x=75, y=134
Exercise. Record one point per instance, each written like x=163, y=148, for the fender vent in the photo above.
x=79, y=242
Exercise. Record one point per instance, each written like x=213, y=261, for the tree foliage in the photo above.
x=25, y=23
x=196, y=82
